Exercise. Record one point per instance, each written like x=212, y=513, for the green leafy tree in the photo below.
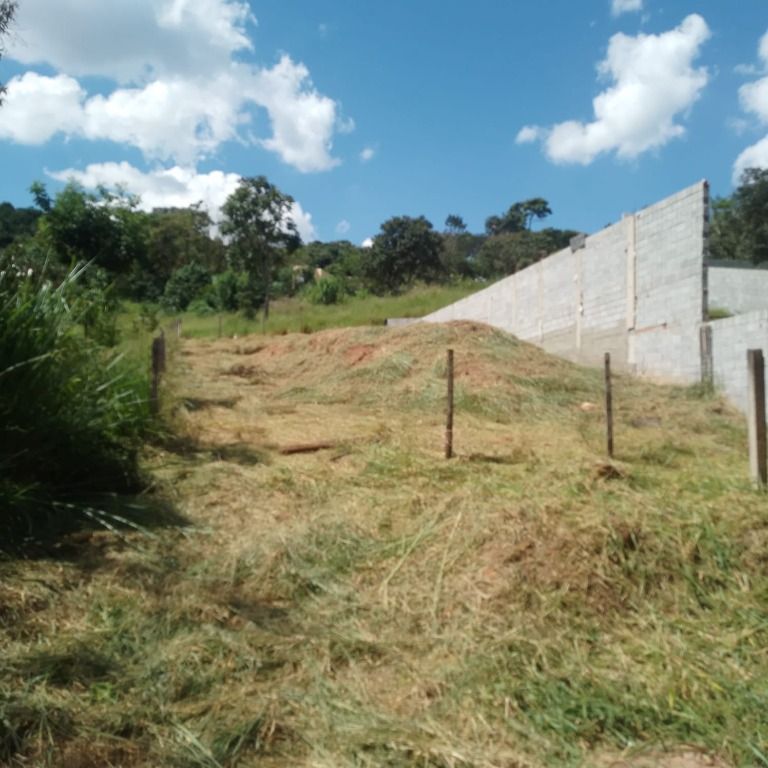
x=535, y=208
x=185, y=285
x=16, y=223
x=460, y=252
x=506, y=253
x=257, y=219
x=405, y=250
x=454, y=224
x=739, y=227
x=7, y=12
x=79, y=226
x=519, y=217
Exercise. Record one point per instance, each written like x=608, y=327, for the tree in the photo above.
x=257, y=219
x=739, y=228
x=454, y=225
x=535, y=208
x=16, y=223
x=506, y=253
x=519, y=217
x=80, y=227
x=7, y=12
x=405, y=250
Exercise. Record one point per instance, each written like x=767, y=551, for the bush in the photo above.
x=327, y=290
x=224, y=290
x=72, y=414
x=184, y=286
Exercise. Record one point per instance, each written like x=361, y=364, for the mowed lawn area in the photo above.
x=334, y=592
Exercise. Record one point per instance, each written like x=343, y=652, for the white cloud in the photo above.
x=302, y=119
x=367, y=243
x=367, y=154
x=173, y=188
x=303, y=222
x=36, y=108
x=654, y=82
x=130, y=41
x=625, y=6
x=343, y=227
x=181, y=94
x=762, y=50
x=528, y=134
x=177, y=120
x=166, y=188
x=755, y=156
x=754, y=101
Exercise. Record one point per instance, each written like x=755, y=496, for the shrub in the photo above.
x=327, y=290
x=185, y=285
x=72, y=414
x=224, y=290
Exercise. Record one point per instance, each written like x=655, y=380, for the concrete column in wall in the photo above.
x=578, y=278
x=707, y=360
x=631, y=224
x=705, y=259
x=540, y=298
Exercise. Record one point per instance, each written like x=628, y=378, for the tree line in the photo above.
x=180, y=259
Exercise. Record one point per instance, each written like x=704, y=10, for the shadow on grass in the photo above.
x=44, y=527
x=192, y=449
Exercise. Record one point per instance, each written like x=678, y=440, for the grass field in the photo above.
x=527, y=604
x=296, y=315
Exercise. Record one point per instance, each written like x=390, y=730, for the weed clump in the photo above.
x=72, y=413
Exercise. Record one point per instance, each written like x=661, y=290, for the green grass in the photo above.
x=297, y=315
x=72, y=414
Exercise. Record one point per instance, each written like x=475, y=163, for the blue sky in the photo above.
x=364, y=110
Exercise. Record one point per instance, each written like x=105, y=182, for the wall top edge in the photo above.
x=747, y=317
x=734, y=264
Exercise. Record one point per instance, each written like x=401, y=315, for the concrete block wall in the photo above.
x=731, y=338
x=669, y=285
x=738, y=288
x=635, y=289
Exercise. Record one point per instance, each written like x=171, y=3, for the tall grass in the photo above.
x=71, y=413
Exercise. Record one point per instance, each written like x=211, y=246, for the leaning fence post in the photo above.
x=756, y=417
x=449, y=409
x=158, y=366
x=608, y=405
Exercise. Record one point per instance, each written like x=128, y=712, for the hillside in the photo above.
x=526, y=604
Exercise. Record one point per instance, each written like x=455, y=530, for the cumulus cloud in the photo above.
x=754, y=101
x=367, y=154
x=302, y=119
x=654, y=82
x=343, y=227
x=175, y=187
x=36, y=108
x=164, y=188
x=181, y=92
x=367, y=243
x=625, y=6
x=303, y=222
x=131, y=41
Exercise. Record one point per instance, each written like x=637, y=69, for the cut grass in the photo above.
x=526, y=604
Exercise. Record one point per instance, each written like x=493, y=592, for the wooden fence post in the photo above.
x=220, y=326
x=449, y=409
x=158, y=366
x=178, y=328
x=608, y=405
x=756, y=417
